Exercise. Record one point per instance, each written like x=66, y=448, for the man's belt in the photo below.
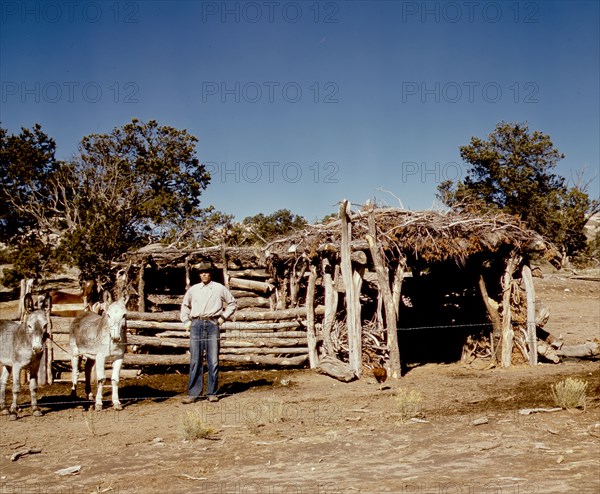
x=213, y=319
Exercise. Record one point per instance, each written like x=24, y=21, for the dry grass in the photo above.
x=409, y=403
x=192, y=426
x=570, y=393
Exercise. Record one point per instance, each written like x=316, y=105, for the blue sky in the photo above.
x=300, y=104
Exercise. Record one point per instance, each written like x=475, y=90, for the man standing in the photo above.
x=202, y=312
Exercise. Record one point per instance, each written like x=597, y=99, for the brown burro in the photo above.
x=21, y=347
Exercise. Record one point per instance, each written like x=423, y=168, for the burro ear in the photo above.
x=125, y=299
x=47, y=304
x=28, y=303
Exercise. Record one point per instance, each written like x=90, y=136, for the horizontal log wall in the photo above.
x=260, y=337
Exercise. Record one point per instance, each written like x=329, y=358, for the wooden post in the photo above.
x=331, y=301
x=49, y=354
x=352, y=297
x=21, y=299
x=142, y=287
x=379, y=309
x=311, y=336
x=225, y=271
x=42, y=376
x=531, y=331
x=188, y=279
x=26, y=287
x=397, y=284
x=386, y=294
x=492, y=310
x=45, y=371
x=294, y=286
x=295, y=278
x=507, y=331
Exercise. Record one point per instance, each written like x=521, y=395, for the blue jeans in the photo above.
x=204, y=337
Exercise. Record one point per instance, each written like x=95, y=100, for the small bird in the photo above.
x=380, y=375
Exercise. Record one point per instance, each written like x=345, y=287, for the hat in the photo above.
x=202, y=266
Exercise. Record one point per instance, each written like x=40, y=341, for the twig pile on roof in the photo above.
x=429, y=235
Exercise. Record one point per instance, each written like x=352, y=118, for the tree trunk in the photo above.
x=352, y=299
x=388, y=299
x=531, y=332
x=397, y=285
x=224, y=268
x=313, y=357
x=295, y=278
x=188, y=277
x=507, y=331
x=331, y=301
x=492, y=310
x=142, y=286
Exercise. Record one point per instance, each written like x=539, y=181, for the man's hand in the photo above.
x=187, y=326
x=220, y=320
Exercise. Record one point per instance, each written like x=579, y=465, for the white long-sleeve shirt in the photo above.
x=207, y=301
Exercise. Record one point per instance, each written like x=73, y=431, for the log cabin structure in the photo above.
x=375, y=287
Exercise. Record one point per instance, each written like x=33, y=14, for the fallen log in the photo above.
x=335, y=368
x=540, y=320
x=584, y=350
x=547, y=351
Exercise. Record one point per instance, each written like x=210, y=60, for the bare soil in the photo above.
x=294, y=431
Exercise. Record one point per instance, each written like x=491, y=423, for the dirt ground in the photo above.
x=294, y=431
